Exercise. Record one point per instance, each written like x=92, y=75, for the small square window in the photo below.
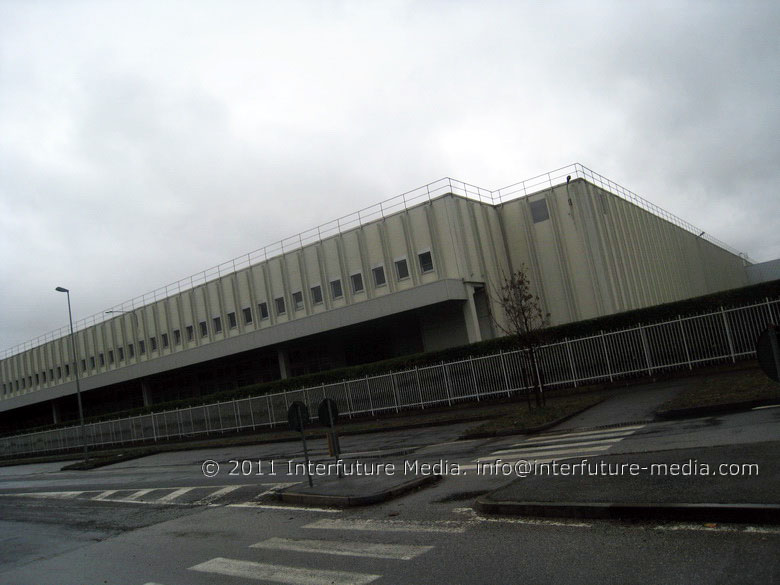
x=152, y=343
x=164, y=339
x=177, y=336
x=297, y=298
x=121, y=352
x=190, y=332
x=263, y=307
x=335, y=289
x=357, y=282
x=217, y=325
x=426, y=262
x=232, y=321
x=379, y=276
x=204, y=329
x=401, y=269
x=141, y=346
x=316, y=294
x=131, y=350
x=101, y=360
x=539, y=211
x=280, y=308
x=247, y=316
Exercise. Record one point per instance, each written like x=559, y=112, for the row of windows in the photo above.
x=118, y=354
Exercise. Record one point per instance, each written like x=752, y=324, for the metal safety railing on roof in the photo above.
x=366, y=215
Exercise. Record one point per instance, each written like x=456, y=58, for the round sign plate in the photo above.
x=298, y=416
x=328, y=412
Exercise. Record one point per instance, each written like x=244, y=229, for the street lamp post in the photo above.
x=76, y=371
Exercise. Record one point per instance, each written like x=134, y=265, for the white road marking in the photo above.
x=375, y=550
x=275, y=507
x=135, y=495
x=765, y=407
x=281, y=573
x=217, y=494
x=173, y=495
x=553, y=440
x=388, y=525
x=718, y=528
x=534, y=449
x=56, y=495
x=476, y=518
x=529, y=454
x=105, y=494
x=628, y=430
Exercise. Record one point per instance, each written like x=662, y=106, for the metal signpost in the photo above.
x=298, y=418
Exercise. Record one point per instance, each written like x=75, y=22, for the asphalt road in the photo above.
x=160, y=520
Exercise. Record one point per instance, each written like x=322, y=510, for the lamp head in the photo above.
x=60, y=289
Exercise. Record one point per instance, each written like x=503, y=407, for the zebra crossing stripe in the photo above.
x=403, y=552
x=281, y=573
x=567, y=439
x=105, y=494
x=173, y=495
x=387, y=525
x=525, y=454
x=531, y=448
x=217, y=494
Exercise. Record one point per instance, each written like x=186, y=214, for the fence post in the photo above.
x=270, y=410
x=446, y=383
x=349, y=397
x=419, y=388
x=571, y=362
x=647, y=351
x=370, y=399
x=474, y=377
x=503, y=370
x=395, y=391
x=685, y=342
x=235, y=413
x=219, y=416
x=252, y=414
x=728, y=335
x=154, y=430
x=606, y=355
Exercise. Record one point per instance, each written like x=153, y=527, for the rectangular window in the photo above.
x=247, y=316
x=83, y=366
x=379, y=276
x=539, y=211
x=357, y=282
x=316, y=294
x=59, y=372
x=263, y=308
x=43, y=375
x=164, y=339
x=131, y=350
x=101, y=360
x=22, y=383
x=335, y=289
x=426, y=262
x=190, y=333
x=280, y=308
x=177, y=336
x=401, y=269
x=298, y=300
x=217, y=324
x=121, y=352
x=92, y=362
x=141, y=346
x=38, y=378
x=110, y=356
x=204, y=329
x=152, y=344
x=232, y=321
x=51, y=374
x=67, y=370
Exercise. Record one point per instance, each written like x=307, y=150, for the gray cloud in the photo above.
x=142, y=142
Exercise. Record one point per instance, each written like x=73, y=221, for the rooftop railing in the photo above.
x=366, y=215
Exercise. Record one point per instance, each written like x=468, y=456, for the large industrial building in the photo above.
x=415, y=273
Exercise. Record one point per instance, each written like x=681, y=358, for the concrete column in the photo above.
x=470, y=316
x=55, y=412
x=284, y=363
x=146, y=392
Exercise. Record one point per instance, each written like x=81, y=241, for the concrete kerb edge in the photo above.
x=708, y=512
x=699, y=411
x=289, y=496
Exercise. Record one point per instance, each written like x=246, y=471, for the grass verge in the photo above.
x=728, y=388
x=520, y=418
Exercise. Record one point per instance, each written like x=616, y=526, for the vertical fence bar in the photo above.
x=503, y=371
x=571, y=362
x=474, y=377
x=419, y=388
x=395, y=392
x=728, y=335
x=685, y=342
x=446, y=383
x=643, y=336
x=606, y=355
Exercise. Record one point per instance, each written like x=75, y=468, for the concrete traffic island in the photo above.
x=361, y=490
x=735, y=483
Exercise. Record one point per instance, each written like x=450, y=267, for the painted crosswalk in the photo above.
x=555, y=446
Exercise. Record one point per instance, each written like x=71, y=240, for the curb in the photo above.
x=306, y=499
x=531, y=430
x=697, y=411
x=740, y=513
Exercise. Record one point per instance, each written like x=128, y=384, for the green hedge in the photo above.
x=648, y=315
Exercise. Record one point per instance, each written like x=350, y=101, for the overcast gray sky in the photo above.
x=141, y=142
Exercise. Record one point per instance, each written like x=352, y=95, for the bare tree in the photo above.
x=525, y=319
